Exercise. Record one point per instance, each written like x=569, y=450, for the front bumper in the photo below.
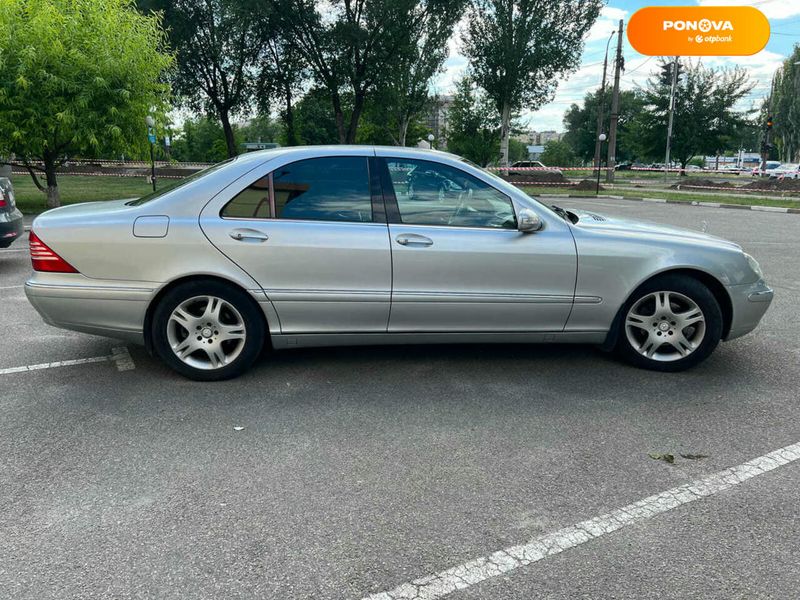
x=101, y=307
x=749, y=302
x=11, y=227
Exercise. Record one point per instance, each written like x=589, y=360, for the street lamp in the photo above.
x=151, y=135
x=430, y=141
x=600, y=139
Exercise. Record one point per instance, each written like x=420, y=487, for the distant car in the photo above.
x=316, y=246
x=770, y=166
x=786, y=171
x=10, y=218
x=526, y=165
x=623, y=166
x=693, y=168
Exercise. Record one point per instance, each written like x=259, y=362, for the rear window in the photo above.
x=174, y=184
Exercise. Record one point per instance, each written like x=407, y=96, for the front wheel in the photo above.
x=208, y=330
x=671, y=323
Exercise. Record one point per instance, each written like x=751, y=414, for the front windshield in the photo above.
x=177, y=183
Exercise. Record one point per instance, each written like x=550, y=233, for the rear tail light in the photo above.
x=44, y=259
x=3, y=201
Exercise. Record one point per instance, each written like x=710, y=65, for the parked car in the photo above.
x=11, y=226
x=785, y=171
x=524, y=166
x=342, y=245
x=769, y=168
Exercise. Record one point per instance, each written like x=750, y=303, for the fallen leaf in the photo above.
x=669, y=458
x=694, y=456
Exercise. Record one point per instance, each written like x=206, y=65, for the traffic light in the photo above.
x=770, y=122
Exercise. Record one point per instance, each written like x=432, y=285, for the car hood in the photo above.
x=613, y=225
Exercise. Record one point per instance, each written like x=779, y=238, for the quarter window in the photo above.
x=430, y=193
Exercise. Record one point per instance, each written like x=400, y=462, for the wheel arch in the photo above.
x=151, y=307
x=714, y=285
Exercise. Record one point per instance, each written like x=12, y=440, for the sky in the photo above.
x=783, y=15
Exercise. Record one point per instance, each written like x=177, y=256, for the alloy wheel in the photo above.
x=206, y=332
x=665, y=326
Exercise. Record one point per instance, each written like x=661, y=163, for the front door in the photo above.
x=460, y=264
x=307, y=233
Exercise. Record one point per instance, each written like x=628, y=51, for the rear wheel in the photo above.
x=208, y=330
x=671, y=323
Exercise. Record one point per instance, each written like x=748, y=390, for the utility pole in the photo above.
x=765, y=143
x=671, y=116
x=600, y=101
x=612, y=135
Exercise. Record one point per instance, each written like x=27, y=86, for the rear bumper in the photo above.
x=72, y=301
x=11, y=227
x=749, y=302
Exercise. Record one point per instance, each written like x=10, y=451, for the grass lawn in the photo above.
x=666, y=195
x=78, y=188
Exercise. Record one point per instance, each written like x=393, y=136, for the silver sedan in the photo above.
x=342, y=245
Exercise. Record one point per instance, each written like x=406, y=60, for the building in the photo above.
x=437, y=119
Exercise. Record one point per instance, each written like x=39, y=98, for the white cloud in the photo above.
x=773, y=9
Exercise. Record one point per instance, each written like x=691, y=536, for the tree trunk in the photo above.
x=403, y=132
x=338, y=117
x=53, y=193
x=288, y=119
x=230, y=142
x=505, y=133
x=358, y=108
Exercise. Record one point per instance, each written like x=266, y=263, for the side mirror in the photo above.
x=528, y=221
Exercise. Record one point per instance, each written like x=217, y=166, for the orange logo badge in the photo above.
x=698, y=31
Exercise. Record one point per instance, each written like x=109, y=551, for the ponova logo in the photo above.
x=704, y=25
x=698, y=30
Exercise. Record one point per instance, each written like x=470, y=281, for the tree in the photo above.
x=349, y=48
x=76, y=74
x=518, y=48
x=313, y=120
x=282, y=73
x=517, y=151
x=558, y=154
x=403, y=93
x=580, y=123
x=200, y=140
x=705, y=116
x=473, y=126
x=785, y=103
x=218, y=44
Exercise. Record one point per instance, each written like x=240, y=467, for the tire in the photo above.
x=217, y=329
x=650, y=334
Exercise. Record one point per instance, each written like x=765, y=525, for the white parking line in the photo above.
x=120, y=356
x=485, y=567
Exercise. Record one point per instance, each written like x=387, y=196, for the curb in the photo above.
x=775, y=209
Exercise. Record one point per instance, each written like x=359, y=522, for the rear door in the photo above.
x=313, y=234
x=459, y=262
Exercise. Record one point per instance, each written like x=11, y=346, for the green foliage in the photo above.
x=517, y=151
x=473, y=127
x=518, y=49
x=558, y=154
x=705, y=114
x=77, y=76
x=218, y=45
x=314, y=122
x=786, y=109
x=200, y=140
x=350, y=49
x=580, y=123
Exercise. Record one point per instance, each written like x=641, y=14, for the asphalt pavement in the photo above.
x=344, y=472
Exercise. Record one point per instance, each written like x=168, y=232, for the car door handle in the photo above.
x=413, y=239
x=248, y=234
